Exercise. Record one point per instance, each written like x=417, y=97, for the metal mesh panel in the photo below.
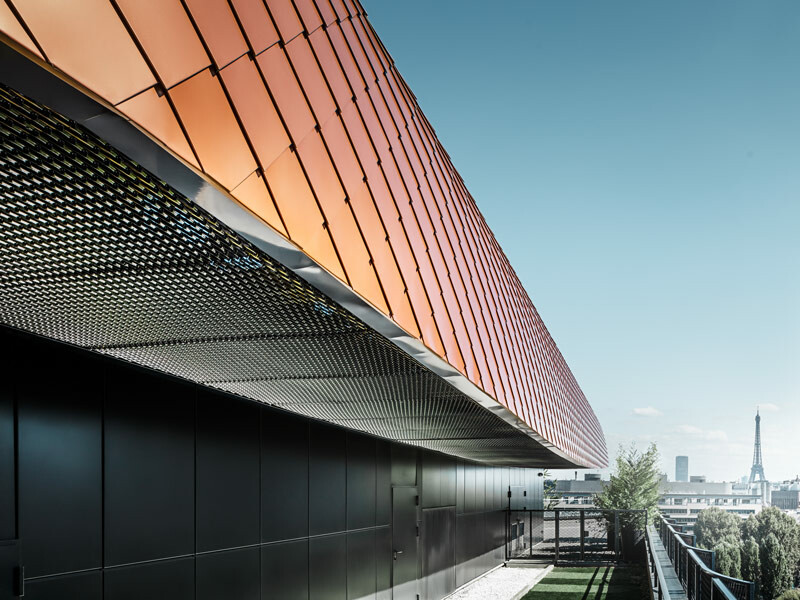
x=596, y=536
x=580, y=536
x=739, y=589
x=98, y=253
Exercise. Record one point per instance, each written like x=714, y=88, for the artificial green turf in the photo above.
x=588, y=583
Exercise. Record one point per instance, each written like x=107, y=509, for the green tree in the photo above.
x=776, y=575
x=773, y=521
x=634, y=485
x=790, y=595
x=728, y=551
x=751, y=563
x=714, y=524
x=551, y=497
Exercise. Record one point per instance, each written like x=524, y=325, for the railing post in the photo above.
x=698, y=580
x=530, y=534
x=617, y=534
x=583, y=520
x=558, y=535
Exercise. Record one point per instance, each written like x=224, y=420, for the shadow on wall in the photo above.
x=132, y=484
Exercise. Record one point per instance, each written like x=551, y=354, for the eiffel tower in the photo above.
x=757, y=468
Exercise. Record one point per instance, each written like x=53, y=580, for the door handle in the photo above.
x=396, y=553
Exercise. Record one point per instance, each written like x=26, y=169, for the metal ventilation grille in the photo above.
x=97, y=252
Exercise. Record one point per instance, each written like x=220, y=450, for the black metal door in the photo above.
x=404, y=543
x=10, y=574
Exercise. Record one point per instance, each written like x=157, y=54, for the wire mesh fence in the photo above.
x=575, y=536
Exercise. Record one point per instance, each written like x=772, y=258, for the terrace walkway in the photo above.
x=504, y=583
x=673, y=587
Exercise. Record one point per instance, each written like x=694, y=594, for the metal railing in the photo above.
x=575, y=536
x=695, y=567
x=659, y=588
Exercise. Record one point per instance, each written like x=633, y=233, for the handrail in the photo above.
x=699, y=578
x=658, y=585
x=722, y=589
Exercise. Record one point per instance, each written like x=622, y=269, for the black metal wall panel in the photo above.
x=8, y=486
x=383, y=475
x=496, y=530
x=161, y=580
x=228, y=472
x=404, y=465
x=492, y=486
x=60, y=463
x=431, y=480
x=448, y=475
x=463, y=555
x=469, y=487
x=284, y=476
x=327, y=480
x=284, y=571
x=161, y=433
x=328, y=567
x=361, y=481
x=383, y=563
x=230, y=575
x=500, y=490
x=478, y=535
x=460, y=487
x=480, y=488
x=361, y=569
x=478, y=545
x=9, y=563
x=77, y=586
x=438, y=552
x=149, y=467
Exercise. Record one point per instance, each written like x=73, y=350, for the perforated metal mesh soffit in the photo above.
x=99, y=253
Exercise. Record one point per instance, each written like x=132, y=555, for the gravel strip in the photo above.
x=505, y=583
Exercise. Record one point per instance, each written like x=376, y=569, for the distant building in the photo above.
x=682, y=501
x=577, y=494
x=681, y=468
x=786, y=495
x=786, y=499
x=685, y=501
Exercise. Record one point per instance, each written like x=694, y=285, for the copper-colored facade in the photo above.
x=295, y=109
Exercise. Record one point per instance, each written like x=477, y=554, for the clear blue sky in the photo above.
x=639, y=162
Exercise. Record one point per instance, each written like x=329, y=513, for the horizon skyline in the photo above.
x=638, y=166
x=669, y=461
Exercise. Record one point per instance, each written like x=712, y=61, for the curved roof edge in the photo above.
x=106, y=121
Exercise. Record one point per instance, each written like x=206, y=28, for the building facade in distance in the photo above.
x=685, y=501
x=786, y=495
x=259, y=340
x=682, y=501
